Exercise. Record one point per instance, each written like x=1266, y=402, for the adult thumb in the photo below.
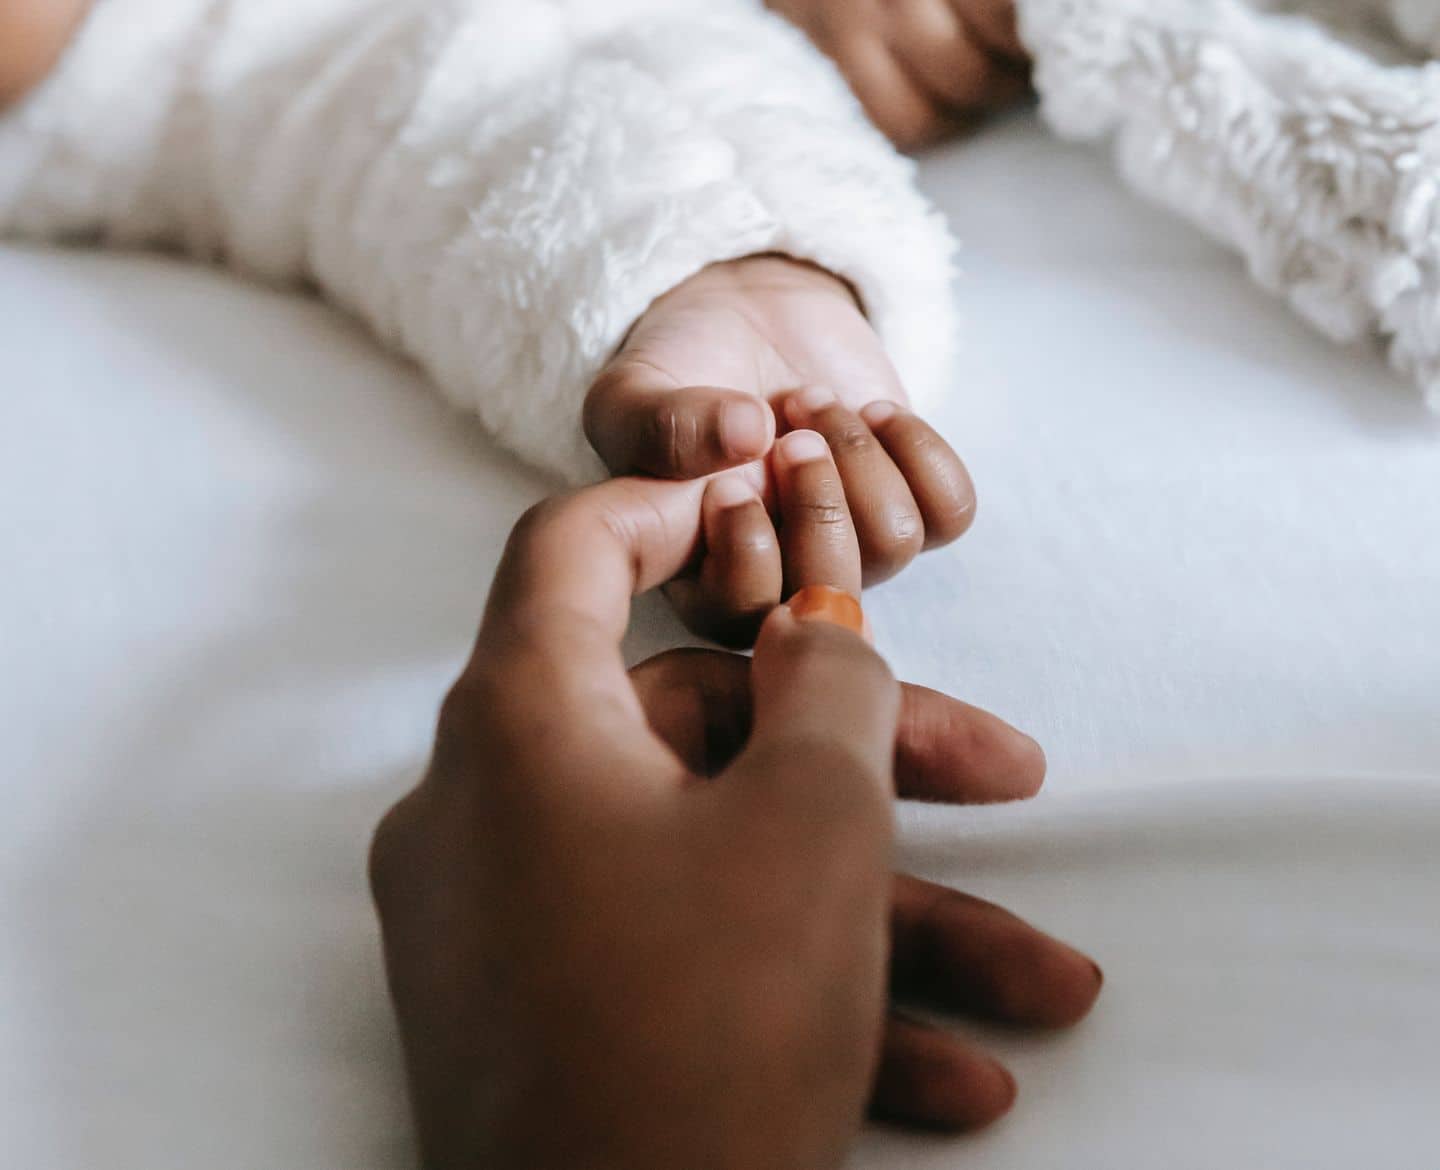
x=826, y=710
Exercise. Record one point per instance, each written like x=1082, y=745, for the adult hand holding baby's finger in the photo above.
x=601, y=957
x=598, y=961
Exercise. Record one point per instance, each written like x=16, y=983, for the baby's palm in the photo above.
x=679, y=400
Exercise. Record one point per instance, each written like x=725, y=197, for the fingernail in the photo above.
x=1099, y=974
x=803, y=447
x=879, y=412
x=824, y=603
x=730, y=491
x=744, y=429
x=807, y=402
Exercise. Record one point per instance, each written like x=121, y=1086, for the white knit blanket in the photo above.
x=1306, y=135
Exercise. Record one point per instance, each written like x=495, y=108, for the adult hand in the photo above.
x=646, y=921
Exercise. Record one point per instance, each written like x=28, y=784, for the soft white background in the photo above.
x=241, y=554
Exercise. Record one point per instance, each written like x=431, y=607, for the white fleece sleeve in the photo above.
x=1316, y=160
x=498, y=187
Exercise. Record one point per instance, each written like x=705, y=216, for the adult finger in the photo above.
x=887, y=520
x=638, y=421
x=938, y=480
x=699, y=702
x=547, y=672
x=818, y=541
x=964, y=954
x=929, y=1078
x=825, y=714
x=951, y=752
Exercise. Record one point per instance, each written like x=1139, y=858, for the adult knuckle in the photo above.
x=633, y=518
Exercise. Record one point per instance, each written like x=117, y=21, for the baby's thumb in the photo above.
x=638, y=427
x=826, y=709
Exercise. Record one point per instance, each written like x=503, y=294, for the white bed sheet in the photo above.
x=243, y=554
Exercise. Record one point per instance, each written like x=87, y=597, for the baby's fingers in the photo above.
x=819, y=544
x=938, y=480
x=639, y=427
x=740, y=576
x=887, y=519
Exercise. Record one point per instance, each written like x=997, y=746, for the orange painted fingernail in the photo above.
x=823, y=603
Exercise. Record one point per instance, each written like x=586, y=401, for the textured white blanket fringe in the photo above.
x=499, y=188
x=1317, y=160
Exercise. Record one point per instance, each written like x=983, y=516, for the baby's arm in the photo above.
x=499, y=189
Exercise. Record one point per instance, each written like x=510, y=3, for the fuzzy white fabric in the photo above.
x=1313, y=148
x=498, y=188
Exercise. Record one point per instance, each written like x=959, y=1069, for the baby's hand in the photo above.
x=919, y=67
x=747, y=349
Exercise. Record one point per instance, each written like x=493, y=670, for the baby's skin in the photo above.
x=743, y=351
x=33, y=33
x=921, y=68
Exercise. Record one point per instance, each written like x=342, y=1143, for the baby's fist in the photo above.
x=742, y=352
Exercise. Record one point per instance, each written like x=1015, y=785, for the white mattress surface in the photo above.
x=241, y=554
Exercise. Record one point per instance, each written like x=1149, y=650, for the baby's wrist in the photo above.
x=777, y=270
